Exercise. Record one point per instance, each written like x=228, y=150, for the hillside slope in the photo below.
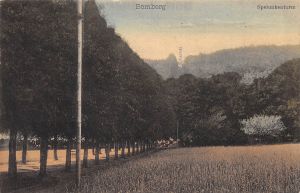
x=250, y=62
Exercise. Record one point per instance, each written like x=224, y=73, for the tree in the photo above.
x=278, y=94
x=263, y=126
x=35, y=53
x=123, y=98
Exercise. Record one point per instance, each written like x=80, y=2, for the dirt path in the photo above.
x=57, y=180
x=33, y=159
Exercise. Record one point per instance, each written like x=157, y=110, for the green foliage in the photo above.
x=280, y=95
x=209, y=111
x=37, y=66
x=123, y=98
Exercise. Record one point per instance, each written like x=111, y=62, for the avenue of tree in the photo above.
x=123, y=98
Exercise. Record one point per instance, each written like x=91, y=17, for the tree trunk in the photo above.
x=93, y=148
x=123, y=150
x=97, y=152
x=142, y=147
x=137, y=147
x=107, y=151
x=148, y=146
x=12, y=159
x=68, y=156
x=24, y=149
x=55, y=148
x=128, y=148
x=85, y=154
x=43, y=156
x=133, y=148
x=116, y=150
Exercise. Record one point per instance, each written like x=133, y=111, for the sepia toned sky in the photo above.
x=201, y=26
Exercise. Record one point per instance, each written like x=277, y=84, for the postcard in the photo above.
x=150, y=96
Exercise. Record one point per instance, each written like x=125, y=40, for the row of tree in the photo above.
x=123, y=98
x=222, y=111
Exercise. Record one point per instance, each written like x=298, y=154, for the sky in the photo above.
x=201, y=26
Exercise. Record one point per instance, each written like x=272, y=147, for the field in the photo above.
x=244, y=169
x=250, y=169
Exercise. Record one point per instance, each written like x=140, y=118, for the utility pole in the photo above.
x=79, y=87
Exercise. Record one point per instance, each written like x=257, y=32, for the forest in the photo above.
x=125, y=101
x=222, y=111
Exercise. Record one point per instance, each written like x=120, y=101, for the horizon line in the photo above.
x=219, y=50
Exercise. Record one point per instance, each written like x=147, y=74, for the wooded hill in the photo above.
x=250, y=62
x=210, y=110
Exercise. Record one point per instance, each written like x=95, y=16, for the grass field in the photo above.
x=250, y=169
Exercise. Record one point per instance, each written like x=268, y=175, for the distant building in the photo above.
x=180, y=60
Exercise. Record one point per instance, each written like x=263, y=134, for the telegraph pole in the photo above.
x=79, y=87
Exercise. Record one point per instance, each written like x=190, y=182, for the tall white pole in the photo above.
x=79, y=86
